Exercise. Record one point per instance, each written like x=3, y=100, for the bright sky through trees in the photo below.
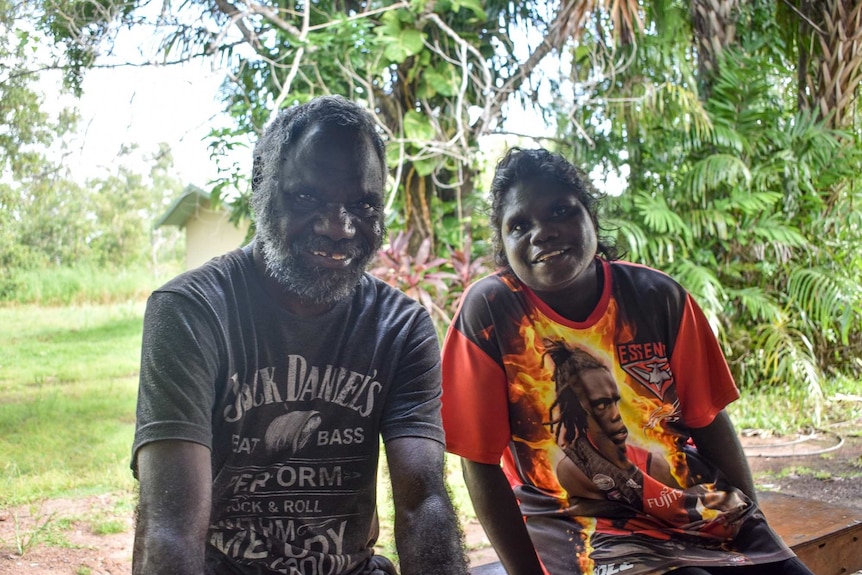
x=145, y=106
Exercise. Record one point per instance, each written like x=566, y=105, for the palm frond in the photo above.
x=825, y=298
x=705, y=286
x=758, y=304
x=659, y=217
x=788, y=357
x=754, y=201
x=683, y=105
x=716, y=171
x=727, y=138
x=711, y=222
x=776, y=230
x=631, y=238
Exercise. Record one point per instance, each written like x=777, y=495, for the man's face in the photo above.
x=324, y=221
x=600, y=397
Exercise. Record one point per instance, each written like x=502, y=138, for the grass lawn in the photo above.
x=68, y=386
x=68, y=380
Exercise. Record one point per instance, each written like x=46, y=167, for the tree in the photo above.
x=27, y=129
x=47, y=217
x=124, y=205
x=828, y=37
x=51, y=220
x=740, y=178
x=30, y=163
x=422, y=67
x=732, y=187
x=714, y=27
x=438, y=73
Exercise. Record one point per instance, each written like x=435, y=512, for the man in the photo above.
x=268, y=374
x=588, y=427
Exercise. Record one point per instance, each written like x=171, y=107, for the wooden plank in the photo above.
x=826, y=537
x=495, y=568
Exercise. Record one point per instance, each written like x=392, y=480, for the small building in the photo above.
x=209, y=232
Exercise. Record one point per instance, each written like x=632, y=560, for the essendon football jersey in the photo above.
x=592, y=423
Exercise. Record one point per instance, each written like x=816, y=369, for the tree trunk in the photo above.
x=835, y=71
x=714, y=25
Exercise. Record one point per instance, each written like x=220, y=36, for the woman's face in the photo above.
x=548, y=236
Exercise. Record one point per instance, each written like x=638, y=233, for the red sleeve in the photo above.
x=475, y=401
x=704, y=383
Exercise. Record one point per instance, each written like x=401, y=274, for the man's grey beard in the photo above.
x=310, y=283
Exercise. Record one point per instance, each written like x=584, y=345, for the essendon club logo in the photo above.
x=647, y=364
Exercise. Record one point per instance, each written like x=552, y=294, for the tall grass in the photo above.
x=61, y=286
x=783, y=411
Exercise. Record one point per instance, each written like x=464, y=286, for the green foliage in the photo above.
x=79, y=28
x=51, y=222
x=399, y=42
x=46, y=217
x=783, y=411
x=731, y=186
x=749, y=203
x=428, y=70
x=28, y=130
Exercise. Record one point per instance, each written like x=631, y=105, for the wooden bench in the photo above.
x=826, y=537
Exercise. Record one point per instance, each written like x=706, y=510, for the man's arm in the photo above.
x=427, y=533
x=500, y=516
x=174, y=509
x=719, y=444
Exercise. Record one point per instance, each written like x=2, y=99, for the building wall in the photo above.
x=209, y=234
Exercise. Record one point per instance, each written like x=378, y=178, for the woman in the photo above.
x=639, y=470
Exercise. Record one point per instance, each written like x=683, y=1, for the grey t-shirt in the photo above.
x=291, y=407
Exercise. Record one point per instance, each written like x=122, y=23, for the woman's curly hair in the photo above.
x=520, y=165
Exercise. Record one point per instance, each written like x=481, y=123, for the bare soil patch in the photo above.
x=823, y=465
x=66, y=536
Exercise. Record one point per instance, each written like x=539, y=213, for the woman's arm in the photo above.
x=719, y=443
x=500, y=516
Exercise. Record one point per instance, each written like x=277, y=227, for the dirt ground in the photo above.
x=826, y=465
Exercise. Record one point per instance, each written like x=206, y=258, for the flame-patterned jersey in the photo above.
x=592, y=423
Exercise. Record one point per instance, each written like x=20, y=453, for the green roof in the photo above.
x=183, y=207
